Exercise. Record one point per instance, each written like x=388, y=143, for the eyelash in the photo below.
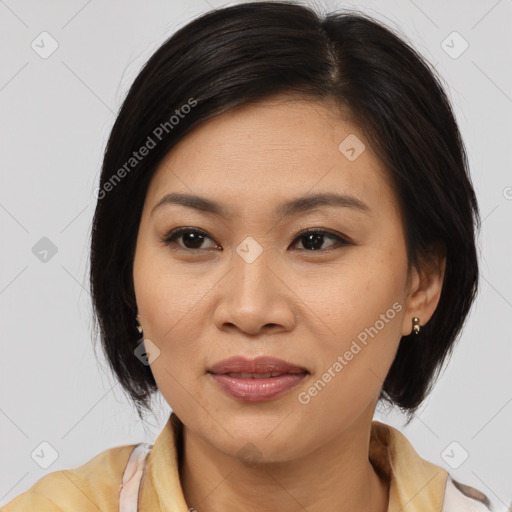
x=341, y=241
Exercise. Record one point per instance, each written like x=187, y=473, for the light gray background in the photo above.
x=56, y=114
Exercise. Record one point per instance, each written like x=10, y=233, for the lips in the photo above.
x=254, y=375
x=255, y=367
x=256, y=380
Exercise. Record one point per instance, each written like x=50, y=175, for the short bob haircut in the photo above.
x=241, y=54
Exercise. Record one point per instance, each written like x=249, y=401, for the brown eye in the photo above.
x=191, y=239
x=313, y=240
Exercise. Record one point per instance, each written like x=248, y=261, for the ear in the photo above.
x=425, y=285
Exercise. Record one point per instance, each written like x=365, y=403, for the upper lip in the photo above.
x=262, y=364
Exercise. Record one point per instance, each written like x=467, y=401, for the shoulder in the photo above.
x=417, y=482
x=93, y=486
x=459, y=497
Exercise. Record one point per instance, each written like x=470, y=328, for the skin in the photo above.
x=206, y=303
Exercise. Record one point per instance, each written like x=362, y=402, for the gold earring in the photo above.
x=139, y=327
x=416, y=326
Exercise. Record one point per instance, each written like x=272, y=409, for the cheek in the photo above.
x=354, y=364
x=166, y=290
x=359, y=315
x=353, y=295
x=171, y=302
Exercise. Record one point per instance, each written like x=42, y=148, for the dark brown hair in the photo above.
x=245, y=53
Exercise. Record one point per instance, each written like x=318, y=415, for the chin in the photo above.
x=259, y=440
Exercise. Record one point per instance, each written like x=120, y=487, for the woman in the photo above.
x=284, y=236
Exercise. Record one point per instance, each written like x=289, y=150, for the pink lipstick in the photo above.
x=256, y=380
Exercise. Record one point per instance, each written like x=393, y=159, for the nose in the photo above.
x=254, y=298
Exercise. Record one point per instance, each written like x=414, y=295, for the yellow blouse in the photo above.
x=152, y=483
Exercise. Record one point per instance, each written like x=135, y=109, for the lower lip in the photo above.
x=257, y=390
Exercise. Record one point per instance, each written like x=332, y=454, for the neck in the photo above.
x=336, y=476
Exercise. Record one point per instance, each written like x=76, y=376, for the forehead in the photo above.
x=273, y=150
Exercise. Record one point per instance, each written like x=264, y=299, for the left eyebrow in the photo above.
x=307, y=203
x=286, y=209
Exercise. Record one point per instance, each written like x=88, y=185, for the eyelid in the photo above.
x=340, y=239
x=175, y=233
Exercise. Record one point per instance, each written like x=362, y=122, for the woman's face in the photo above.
x=255, y=284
